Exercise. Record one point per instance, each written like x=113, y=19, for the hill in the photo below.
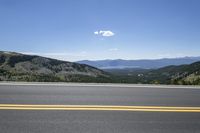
x=20, y=67
x=143, y=64
x=182, y=75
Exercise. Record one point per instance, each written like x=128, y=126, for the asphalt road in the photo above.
x=87, y=121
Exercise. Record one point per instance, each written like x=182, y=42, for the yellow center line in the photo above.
x=99, y=108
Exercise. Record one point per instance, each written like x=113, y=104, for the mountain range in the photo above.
x=21, y=67
x=144, y=63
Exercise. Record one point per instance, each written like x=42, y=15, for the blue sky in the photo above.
x=101, y=29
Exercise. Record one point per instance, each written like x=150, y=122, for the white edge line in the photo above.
x=97, y=85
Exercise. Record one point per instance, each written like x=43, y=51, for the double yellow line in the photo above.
x=99, y=108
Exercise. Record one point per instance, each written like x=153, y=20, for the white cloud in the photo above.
x=96, y=32
x=105, y=33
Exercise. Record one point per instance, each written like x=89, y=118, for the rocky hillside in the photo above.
x=20, y=67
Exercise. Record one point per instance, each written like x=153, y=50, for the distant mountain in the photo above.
x=20, y=67
x=144, y=64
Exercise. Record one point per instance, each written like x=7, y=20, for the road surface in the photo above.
x=98, y=108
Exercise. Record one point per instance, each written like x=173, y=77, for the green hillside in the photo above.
x=183, y=75
x=20, y=67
